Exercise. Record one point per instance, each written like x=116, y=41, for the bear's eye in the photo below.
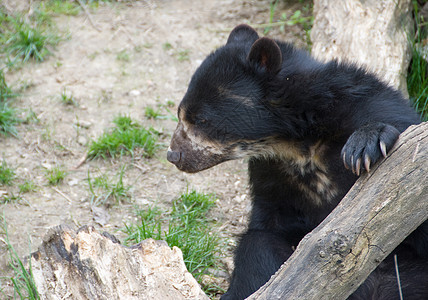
x=276, y=102
x=200, y=121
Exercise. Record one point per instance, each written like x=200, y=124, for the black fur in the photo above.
x=309, y=129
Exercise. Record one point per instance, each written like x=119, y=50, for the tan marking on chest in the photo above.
x=300, y=164
x=304, y=167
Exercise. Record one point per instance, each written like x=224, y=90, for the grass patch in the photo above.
x=152, y=113
x=303, y=17
x=166, y=46
x=417, y=83
x=10, y=197
x=8, y=118
x=417, y=77
x=27, y=186
x=151, y=226
x=183, y=55
x=186, y=226
x=103, y=189
x=139, y=48
x=55, y=175
x=157, y=114
x=24, y=38
x=27, y=43
x=180, y=54
x=7, y=174
x=123, y=56
x=5, y=92
x=60, y=7
x=126, y=136
x=68, y=98
x=22, y=280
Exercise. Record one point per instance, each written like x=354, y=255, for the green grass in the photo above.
x=105, y=191
x=7, y=174
x=27, y=186
x=124, y=138
x=5, y=92
x=167, y=46
x=22, y=279
x=11, y=198
x=152, y=113
x=150, y=226
x=68, y=98
x=299, y=17
x=180, y=54
x=183, y=54
x=190, y=231
x=417, y=83
x=157, y=114
x=25, y=41
x=28, y=43
x=55, y=175
x=186, y=226
x=139, y=48
x=8, y=118
x=303, y=17
x=123, y=56
x=60, y=7
x=24, y=38
x=417, y=77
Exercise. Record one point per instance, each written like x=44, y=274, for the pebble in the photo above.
x=73, y=182
x=81, y=140
x=47, y=165
x=83, y=124
x=134, y=93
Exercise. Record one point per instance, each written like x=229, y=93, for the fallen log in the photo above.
x=377, y=214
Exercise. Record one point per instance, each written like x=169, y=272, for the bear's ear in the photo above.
x=242, y=34
x=266, y=53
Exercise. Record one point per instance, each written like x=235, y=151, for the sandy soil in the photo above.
x=88, y=66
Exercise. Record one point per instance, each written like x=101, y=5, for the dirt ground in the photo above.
x=89, y=66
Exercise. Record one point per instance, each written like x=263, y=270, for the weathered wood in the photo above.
x=373, y=33
x=337, y=256
x=88, y=265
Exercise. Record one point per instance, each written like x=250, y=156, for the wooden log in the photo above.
x=377, y=214
x=372, y=33
x=88, y=265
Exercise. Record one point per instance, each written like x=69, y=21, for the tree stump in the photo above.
x=88, y=265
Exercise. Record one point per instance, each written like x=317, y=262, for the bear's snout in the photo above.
x=173, y=156
x=191, y=153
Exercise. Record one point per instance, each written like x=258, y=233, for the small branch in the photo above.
x=62, y=194
x=88, y=15
x=81, y=161
x=259, y=26
x=398, y=277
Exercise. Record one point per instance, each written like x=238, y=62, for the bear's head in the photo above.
x=224, y=114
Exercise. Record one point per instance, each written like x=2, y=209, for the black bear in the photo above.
x=309, y=130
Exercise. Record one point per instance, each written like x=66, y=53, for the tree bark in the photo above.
x=371, y=33
x=377, y=214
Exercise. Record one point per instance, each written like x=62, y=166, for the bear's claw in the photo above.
x=368, y=144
